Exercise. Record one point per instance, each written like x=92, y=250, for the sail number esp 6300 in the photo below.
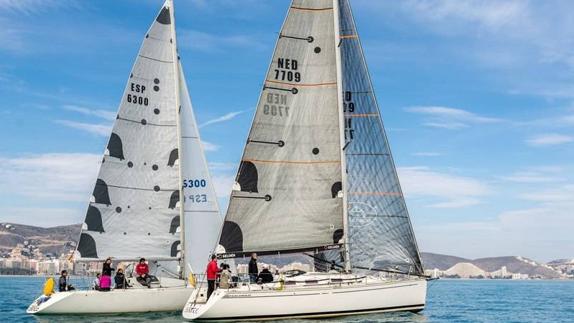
x=195, y=183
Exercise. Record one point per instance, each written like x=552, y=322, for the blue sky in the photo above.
x=477, y=98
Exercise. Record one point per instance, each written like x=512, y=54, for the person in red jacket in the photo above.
x=142, y=272
x=212, y=271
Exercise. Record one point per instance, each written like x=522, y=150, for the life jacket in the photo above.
x=105, y=281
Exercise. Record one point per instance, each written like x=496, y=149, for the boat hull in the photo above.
x=309, y=302
x=116, y=301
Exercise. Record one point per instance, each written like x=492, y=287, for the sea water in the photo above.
x=447, y=301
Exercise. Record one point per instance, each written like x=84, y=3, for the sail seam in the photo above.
x=361, y=115
x=311, y=9
x=303, y=162
x=147, y=123
x=155, y=59
x=304, y=85
x=137, y=189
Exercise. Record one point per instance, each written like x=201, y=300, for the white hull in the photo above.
x=332, y=299
x=132, y=300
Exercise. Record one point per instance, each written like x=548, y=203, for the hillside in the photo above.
x=53, y=240
x=516, y=265
x=513, y=264
x=442, y=262
x=60, y=239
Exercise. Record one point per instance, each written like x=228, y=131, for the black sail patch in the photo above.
x=115, y=147
x=94, y=220
x=337, y=235
x=174, y=248
x=174, y=225
x=173, y=156
x=101, y=195
x=174, y=199
x=248, y=177
x=231, y=237
x=163, y=17
x=336, y=188
x=87, y=246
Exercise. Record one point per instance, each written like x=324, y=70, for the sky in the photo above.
x=477, y=97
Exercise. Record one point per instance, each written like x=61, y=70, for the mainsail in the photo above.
x=289, y=181
x=153, y=156
x=380, y=232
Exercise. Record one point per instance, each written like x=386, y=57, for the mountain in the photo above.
x=513, y=264
x=442, y=262
x=517, y=265
x=61, y=239
x=55, y=240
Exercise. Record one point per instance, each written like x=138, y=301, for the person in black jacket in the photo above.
x=107, y=268
x=265, y=276
x=63, y=285
x=120, y=280
x=253, y=270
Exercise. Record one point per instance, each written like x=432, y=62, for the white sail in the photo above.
x=289, y=180
x=202, y=221
x=134, y=202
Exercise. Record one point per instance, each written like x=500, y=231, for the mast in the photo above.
x=179, y=143
x=336, y=14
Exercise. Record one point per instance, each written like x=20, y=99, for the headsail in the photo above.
x=202, y=218
x=289, y=181
x=134, y=206
x=380, y=231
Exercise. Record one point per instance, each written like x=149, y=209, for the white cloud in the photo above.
x=96, y=129
x=219, y=166
x=531, y=177
x=223, y=184
x=451, y=191
x=53, y=177
x=29, y=7
x=564, y=194
x=450, y=118
x=226, y=117
x=526, y=45
x=104, y=114
x=487, y=14
x=550, y=139
x=207, y=146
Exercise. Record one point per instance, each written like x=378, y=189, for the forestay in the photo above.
x=134, y=208
x=381, y=235
x=289, y=181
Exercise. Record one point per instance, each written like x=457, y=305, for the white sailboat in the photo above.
x=317, y=177
x=153, y=157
